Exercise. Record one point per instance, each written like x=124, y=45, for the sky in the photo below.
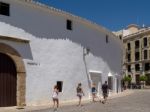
x=111, y=14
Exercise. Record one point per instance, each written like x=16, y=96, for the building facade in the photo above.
x=136, y=55
x=44, y=46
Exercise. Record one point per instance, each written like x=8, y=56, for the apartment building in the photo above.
x=136, y=54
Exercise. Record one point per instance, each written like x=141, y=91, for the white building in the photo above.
x=44, y=46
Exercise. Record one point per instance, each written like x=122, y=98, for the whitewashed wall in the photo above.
x=58, y=53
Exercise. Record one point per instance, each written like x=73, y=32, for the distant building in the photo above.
x=136, y=56
x=41, y=46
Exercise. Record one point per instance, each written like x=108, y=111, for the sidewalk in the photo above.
x=32, y=108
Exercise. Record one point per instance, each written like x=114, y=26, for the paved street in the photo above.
x=139, y=101
x=128, y=101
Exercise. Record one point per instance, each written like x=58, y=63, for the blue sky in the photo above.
x=112, y=14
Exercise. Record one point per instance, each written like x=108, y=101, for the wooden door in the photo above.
x=137, y=79
x=148, y=79
x=8, y=81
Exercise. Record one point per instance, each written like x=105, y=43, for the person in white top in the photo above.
x=55, y=97
x=80, y=93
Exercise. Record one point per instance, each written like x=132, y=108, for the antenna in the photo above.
x=137, y=20
x=143, y=25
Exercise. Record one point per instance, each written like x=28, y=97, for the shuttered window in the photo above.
x=4, y=9
x=69, y=25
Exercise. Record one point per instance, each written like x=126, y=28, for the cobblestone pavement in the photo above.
x=128, y=101
x=139, y=101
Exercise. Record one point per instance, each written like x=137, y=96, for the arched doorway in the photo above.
x=17, y=60
x=8, y=81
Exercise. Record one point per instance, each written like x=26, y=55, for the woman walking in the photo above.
x=80, y=93
x=55, y=98
x=94, y=92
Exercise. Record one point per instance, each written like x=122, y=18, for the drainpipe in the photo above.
x=86, y=52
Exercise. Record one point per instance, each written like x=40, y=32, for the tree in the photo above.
x=143, y=78
x=127, y=80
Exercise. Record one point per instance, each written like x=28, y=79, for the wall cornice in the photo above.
x=14, y=39
x=136, y=35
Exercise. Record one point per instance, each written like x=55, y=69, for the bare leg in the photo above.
x=79, y=100
x=98, y=98
x=93, y=97
x=105, y=99
x=57, y=103
x=53, y=103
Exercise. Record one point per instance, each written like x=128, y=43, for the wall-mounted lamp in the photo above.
x=86, y=51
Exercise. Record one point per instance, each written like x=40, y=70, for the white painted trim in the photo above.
x=94, y=71
x=110, y=74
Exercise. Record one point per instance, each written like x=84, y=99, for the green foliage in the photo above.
x=143, y=78
x=127, y=79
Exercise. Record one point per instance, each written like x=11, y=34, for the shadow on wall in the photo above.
x=24, y=49
x=88, y=37
x=52, y=24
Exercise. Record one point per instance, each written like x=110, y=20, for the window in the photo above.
x=120, y=36
x=137, y=44
x=129, y=57
x=145, y=54
x=137, y=79
x=149, y=54
x=145, y=42
x=106, y=38
x=137, y=56
x=4, y=9
x=129, y=68
x=69, y=25
x=147, y=66
x=129, y=76
x=129, y=46
x=110, y=82
x=60, y=85
x=137, y=67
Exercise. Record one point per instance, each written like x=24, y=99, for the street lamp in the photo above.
x=124, y=71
